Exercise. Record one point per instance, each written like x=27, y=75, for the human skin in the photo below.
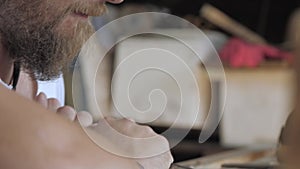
x=35, y=138
x=40, y=139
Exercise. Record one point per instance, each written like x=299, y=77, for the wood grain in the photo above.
x=223, y=21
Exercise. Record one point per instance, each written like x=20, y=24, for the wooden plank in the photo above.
x=223, y=21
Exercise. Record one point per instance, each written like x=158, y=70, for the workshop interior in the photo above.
x=253, y=96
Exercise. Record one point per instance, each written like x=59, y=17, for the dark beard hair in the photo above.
x=35, y=43
x=35, y=53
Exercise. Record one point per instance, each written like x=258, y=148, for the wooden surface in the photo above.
x=229, y=25
x=244, y=155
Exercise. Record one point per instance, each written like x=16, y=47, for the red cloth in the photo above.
x=238, y=53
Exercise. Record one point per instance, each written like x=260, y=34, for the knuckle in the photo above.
x=164, y=139
x=42, y=95
x=53, y=104
x=127, y=123
x=149, y=130
x=146, y=131
x=109, y=119
x=53, y=101
x=41, y=98
x=67, y=112
x=65, y=109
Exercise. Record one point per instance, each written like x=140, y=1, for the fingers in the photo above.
x=162, y=161
x=53, y=104
x=129, y=128
x=67, y=112
x=42, y=99
x=158, y=153
x=84, y=118
x=121, y=125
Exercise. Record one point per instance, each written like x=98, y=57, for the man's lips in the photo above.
x=86, y=10
x=82, y=15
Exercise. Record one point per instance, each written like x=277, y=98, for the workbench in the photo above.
x=263, y=157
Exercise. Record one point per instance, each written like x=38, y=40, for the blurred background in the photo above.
x=259, y=88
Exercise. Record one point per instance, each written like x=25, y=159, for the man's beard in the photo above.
x=37, y=43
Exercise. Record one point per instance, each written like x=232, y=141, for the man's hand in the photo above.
x=131, y=140
x=66, y=112
x=116, y=132
x=35, y=138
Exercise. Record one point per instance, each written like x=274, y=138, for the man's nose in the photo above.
x=114, y=1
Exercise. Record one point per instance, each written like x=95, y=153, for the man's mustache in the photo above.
x=89, y=9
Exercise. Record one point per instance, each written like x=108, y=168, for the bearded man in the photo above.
x=37, y=38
